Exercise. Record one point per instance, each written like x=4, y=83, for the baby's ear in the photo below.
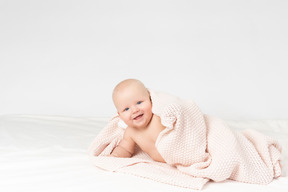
x=149, y=94
x=148, y=91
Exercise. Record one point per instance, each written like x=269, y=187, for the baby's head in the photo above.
x=132, y=101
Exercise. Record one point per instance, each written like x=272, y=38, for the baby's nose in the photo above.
x=135, y=109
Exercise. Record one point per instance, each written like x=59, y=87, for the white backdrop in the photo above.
x=65, y=57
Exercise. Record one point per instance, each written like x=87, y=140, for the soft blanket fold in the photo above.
x=196, y=147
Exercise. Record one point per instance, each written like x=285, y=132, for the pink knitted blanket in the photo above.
x=196, y=147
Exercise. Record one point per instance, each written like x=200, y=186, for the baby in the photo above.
x=193, y=143
x=134, y=107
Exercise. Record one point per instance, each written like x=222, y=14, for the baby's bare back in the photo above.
x=146, y=138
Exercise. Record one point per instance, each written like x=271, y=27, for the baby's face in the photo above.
x=134, y=106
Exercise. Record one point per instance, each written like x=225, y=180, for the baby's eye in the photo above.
x=126, y=109
x=139, y=102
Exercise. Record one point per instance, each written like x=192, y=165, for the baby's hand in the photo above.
x=120, y=151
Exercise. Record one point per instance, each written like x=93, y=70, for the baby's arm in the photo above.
x=125, y=147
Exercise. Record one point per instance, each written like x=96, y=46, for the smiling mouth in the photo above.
x=138, y=117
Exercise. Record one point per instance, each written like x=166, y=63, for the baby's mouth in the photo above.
x=138, y=117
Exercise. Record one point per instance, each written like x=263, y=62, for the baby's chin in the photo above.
x=143, y=124
x=136, y=125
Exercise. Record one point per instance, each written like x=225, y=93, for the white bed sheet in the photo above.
x=49, y=153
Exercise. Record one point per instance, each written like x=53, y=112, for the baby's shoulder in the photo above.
x=129, y=133
x=156, y=117
x=156, y=121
